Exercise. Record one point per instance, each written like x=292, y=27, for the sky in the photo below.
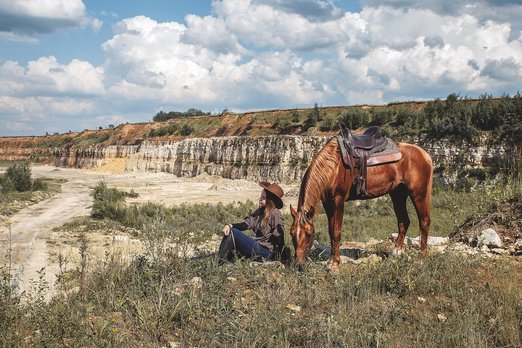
x=70, y=65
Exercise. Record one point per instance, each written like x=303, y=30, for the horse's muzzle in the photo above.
x=300, y=262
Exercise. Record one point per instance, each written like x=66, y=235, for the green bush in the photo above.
x=295, y=116
x=206, y=219
x=20, y=175
x=328, y=124
x=40, y=185
x=450, y=119
x=186, y=130
x=163, y=116
x=7, y=184
x=108, y=203
x=381, y=117
x=354, y=118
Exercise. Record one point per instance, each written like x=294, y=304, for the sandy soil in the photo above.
x=32, y=238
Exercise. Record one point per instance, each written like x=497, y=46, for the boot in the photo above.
x=226, y=249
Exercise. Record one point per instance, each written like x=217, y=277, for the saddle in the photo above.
x=362, y=151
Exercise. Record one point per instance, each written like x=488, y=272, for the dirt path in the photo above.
x=32, y=227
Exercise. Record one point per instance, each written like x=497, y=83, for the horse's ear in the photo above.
x=310, y=213
x=293, y=212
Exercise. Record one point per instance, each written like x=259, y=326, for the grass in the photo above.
x=159, y=297
x=398, y=302
x=6, y=163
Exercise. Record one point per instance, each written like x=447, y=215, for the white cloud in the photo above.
x=313, y=10
x=96, y=24
x=210, y=33
x=262, y=52
x=46, y=76
x=262, y=25
x=420, y=54
x=268, y=54
x=58, y=9
x=27, y=17
x=30, y=108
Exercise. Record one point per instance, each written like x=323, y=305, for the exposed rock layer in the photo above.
x=273, y=158
x=282, y=158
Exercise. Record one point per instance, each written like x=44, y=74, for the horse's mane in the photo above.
x=319, y=176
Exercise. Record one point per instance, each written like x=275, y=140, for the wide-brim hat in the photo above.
x=276, y=191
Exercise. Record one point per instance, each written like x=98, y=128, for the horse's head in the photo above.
x=302, y=232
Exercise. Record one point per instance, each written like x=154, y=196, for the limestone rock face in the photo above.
x=91, y=157
x=282, y=158
x=272, y=158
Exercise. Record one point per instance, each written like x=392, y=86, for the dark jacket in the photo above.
x=271, y=235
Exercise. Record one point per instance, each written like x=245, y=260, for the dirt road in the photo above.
x=32, y=227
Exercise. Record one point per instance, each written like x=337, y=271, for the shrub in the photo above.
x=408, y=118
x=313, y=117
x=163, y=116
x=381, y=117
x=328, y=124
x=186, y=130
x=295, y=116
x=7, y=184
x=354, y=118
x=450, y=119
x=108, y=203
x=20, y=175
x=39, y=185
x=311, y=120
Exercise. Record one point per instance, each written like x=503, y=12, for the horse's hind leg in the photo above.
x=422, y=204
x=399, y=197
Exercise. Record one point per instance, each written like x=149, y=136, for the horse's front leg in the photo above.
x=335, y=212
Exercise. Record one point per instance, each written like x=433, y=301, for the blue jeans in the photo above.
x=247, y=246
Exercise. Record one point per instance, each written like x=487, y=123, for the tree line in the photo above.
x=456, y=118
x=163, y=116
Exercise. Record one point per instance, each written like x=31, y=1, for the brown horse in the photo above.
x=327, y=179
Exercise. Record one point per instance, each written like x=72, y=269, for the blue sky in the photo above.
x=79, y=64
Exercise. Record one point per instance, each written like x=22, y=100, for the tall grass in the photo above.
x=196, y=222
x=196, y=303
x=161, y=297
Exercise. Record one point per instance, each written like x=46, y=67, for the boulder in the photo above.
x=490, y=238
x=416, y=241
